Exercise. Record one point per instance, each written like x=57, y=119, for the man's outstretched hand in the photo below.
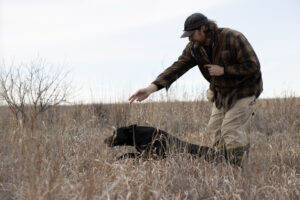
x=140, y=95
x=143, y=93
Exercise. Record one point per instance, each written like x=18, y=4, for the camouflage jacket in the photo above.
x=231, y=50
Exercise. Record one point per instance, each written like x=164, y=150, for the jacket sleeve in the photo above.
x=246, y=60
x=177, y=69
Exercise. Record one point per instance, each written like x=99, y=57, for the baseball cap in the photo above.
x=192, y=23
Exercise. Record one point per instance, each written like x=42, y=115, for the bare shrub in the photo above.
x=31, y=89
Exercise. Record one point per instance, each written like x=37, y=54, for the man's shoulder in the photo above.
x=229, y=32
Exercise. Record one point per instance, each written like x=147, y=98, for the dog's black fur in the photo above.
x=149, y=141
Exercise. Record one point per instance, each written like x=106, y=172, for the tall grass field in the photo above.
x=64, y=157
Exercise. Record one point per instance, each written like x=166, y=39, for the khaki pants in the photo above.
x=228, y=127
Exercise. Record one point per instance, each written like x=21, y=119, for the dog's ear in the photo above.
x=114, y=136
x=113, y=128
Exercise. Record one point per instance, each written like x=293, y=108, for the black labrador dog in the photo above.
x=152, y=142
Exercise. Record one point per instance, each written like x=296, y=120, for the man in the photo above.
x=228, y=62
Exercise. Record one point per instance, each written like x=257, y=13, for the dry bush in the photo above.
x=31, y=89
x=67, y=159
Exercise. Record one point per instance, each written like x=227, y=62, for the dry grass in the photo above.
x=65, y=158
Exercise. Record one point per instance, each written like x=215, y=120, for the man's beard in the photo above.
x=198, y=44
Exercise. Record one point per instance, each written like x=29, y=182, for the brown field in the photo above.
x=64, y=157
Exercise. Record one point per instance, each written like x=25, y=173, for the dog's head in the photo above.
x=121, y=136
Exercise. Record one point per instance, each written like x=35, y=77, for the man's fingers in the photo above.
x=134, y=95
x=140, y=95
x=132, y=99
x=211, y=72
x=208, y=66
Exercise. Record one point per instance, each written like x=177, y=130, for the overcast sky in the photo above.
x=114, y=47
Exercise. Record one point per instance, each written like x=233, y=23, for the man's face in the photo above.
x=199, y=37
